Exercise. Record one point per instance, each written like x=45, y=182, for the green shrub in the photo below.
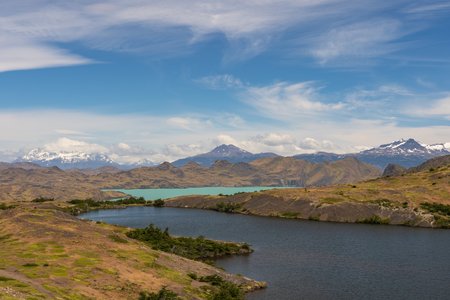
x=194, y=248
x=212, y=279
x=3, y=206
x=158, y=203
x=438, y=208
x=42, y=199
x=30, y=265
x=374, y=220
x=228, y=291
x=163, y=294
x=289, y=215
x=228, y=207
x=85, y=205
x=5, y=278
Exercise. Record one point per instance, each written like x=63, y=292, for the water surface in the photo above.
x=314, y=260
x=153, y=194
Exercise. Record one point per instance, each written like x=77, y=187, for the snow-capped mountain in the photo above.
x=67, y=160
x=408, y=147
x=404, y=152
x=230, y=153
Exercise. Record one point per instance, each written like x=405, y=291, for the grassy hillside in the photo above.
x=48, y=254
x=420, y=197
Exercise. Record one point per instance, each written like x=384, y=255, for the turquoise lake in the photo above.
x=153, y=194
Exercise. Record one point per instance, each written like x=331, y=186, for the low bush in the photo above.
x=3, y=206
x=225, y=290
x=194, y=248
x=158, y=203
x=42, y=199
x=438, y=208
x=85, y=205
x=374, y=220
x=163, y=294
x=227, y=207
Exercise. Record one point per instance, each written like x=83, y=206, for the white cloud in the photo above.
x=433, y=108
x=441, y=7
x=284, y=100
x=70, y=145
x=23, y=55
x=174, y=151
x=275, y=139
x=358, y=41
x=32, y=32
x=189, y=123
x=218, y=82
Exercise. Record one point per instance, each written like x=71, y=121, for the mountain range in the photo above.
x=229, y=153
x=22, y=180
x=404, y=152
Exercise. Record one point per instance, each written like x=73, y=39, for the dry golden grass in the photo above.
x=47, y=254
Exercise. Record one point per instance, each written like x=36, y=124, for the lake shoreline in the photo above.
x=305, y=252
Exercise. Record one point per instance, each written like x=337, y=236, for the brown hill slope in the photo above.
x=47, y=254
x=19, y=183
x=419, y=198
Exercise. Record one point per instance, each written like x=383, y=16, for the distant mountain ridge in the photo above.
x=230, y=153
x=405, y=152
x=67, y=160
x=76, y=160
x=25, y=180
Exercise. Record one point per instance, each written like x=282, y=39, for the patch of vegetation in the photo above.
x=374, y=220
x=314, y=218
x=331, y=200
x=81, y=206
x=405, y=204
x=42, y=199
x=30, y=265
x=438, y=208
x=441, y=213
x=193, y=248
x=383, y=202
x=117, y=239
x=3, y=206
x=289, y=215
x=442, y=222
x=225, y=290
x=158, y=203
x=227, y=207
x=163, y=294
x=5, y=278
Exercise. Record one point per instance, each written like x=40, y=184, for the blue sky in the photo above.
x=165, y=79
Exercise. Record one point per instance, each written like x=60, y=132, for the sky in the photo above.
x=161, y=80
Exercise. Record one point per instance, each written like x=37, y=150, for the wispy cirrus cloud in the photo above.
x=285, y=100
x=219, y=82
x=355, y=42
x=35, y=34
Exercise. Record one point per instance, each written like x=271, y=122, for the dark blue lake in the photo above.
x=314, y=260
